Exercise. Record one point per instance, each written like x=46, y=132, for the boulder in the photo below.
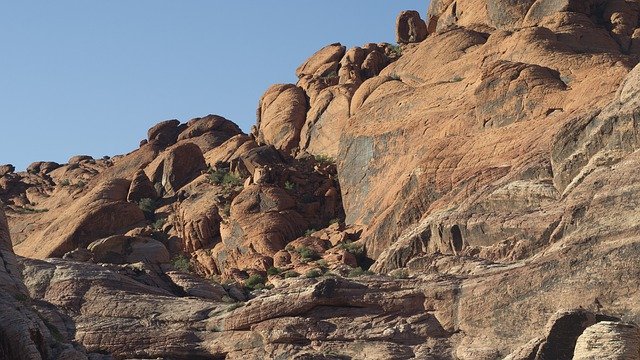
x=79, y=158
x=198, y=223
x=177, y=166
x=120, y=249
x=263, y=219
x=42, y=167
x=196, y=286
x=328, y=55
x=164, y=133
x=410, y=28
x=281, y=115
x=209, y=132
x=511, y=92
x=24, y=335
x=6, y=169
x=141, y=188
x=609, y=340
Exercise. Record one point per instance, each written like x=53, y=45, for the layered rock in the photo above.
x=493, y=164
x=101, y=212
x=24, y=334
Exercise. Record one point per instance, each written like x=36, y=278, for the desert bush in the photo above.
x=324, y=159
x=255, y=282
x=181, y=263
x=307, y=253
x=291, y=274
x=313, y=273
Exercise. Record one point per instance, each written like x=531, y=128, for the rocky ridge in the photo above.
x=483, y=170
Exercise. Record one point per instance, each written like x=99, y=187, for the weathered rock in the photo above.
x=122, y=249
x=23, y=333
x=177, y=166
x=511, y=92
x=198, y=223
x=209, y=132
x=6, y=169
x=563, y=330
x=328, y=55
x=164, y=133
x=151, y=321
x=42, y=167
x=281, y=115
x=609, y=340
x=101, y=212
x=79, y=158
x=410, y=28
x=329, y=112
x=263, y=219
x=196, y=286
x=141, y=188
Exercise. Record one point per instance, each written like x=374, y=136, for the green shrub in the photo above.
x=81, y=184
x=396, y=49
x=313, y=273
x=322, y=263
x=291, y=274
x=309, y=232
x=234, y=306
x=181, y=263
x=231, y=180
x=224, y=177
x=225, y=210
x=324, y=159
x=353, y=248
x=307, y=253
x=57, y=336
x=456, y=79
x=272, y=271
x=30, y=210
x=21, y=297
x=158, y=224
x=148, y=206
x=399, y=274
x=255, y=282
x=334, y=221
x=359, y=272
x=216, y=176
x=289, y=185
x=65, y=182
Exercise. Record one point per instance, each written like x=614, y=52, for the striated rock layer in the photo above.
x=446, y=198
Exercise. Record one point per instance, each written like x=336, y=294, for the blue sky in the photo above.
x=90, y=77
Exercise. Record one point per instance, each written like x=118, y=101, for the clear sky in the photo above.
x=90, y=77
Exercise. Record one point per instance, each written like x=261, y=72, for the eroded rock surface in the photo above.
x=485, y=170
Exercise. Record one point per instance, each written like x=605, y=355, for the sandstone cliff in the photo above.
x=470, y=193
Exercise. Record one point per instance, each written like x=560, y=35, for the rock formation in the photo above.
x=449, y=197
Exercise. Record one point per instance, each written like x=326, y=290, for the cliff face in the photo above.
x=484, y=170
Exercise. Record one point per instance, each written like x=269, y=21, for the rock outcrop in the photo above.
x=444, y=198
x=410, y=28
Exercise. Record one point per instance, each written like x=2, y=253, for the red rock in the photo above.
x=141, y=188
x=281, y=114
x=328, y=55
x=164, y=133
x=410, y=28
x=6, y=169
